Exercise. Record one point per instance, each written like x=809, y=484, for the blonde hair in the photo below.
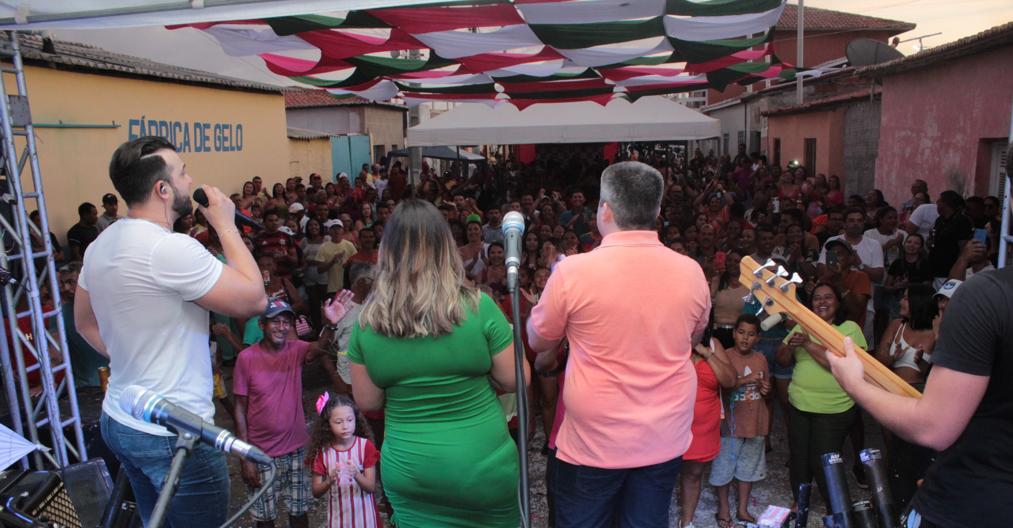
x=419, y=290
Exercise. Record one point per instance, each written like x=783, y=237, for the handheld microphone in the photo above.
x=146, y=405
x=201, y=197
x=513, y=231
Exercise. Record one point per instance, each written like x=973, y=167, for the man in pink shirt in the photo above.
x=267, y=383
x=631, y=310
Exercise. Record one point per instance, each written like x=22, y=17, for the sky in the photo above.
x=192, y=48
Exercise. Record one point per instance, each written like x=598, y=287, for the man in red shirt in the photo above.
x=269, y=413
x=272, y=241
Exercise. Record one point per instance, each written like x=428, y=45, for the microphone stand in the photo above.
x=185, y=443
x=522, y=398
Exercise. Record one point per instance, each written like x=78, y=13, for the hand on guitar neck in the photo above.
x=776, y=293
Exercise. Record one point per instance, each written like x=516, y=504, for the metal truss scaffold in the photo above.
x=31, y=305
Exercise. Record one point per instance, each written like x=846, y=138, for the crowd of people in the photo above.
x=881, y=274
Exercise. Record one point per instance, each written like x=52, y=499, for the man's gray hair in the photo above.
x=359, y=270
x=633, y=191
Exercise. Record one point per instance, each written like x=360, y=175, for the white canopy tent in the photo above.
x=652, y=118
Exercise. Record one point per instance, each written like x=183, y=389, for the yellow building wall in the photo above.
x=306, y=156
x=75, y=162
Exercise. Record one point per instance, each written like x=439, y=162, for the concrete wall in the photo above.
x=826, y=126
x=936, y=120
x=386, y=126
x=306, y=156
x=331, y=119
x=860, y=146
x=75, y=161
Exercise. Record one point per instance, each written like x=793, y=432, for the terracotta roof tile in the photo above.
x=817, y=19
x=72, y=55
x=310, y=98
x=995, y=37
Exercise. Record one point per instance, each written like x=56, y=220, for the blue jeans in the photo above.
x=588, y=497
x=202, y=498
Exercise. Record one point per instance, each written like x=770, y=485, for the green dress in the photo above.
x=447, y=458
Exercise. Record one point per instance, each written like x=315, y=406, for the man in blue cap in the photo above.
x=267, y=383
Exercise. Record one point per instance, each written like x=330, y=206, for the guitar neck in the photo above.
x=777, y=294
x=875, y=372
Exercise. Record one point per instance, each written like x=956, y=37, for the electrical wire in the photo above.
x=268, y=482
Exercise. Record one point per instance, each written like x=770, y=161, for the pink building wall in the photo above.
x=827, y=126
x=937, y=123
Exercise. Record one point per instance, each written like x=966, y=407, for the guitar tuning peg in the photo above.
x=759, y=271
x=748, y=298
x=781, y=272
x=795, y=279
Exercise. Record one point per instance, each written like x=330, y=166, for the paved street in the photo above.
x=774, y=490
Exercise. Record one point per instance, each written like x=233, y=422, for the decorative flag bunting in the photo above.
x=523, y=51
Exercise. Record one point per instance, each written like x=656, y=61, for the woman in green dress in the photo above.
x=429, y=350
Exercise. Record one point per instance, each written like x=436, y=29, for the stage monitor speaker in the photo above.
x=39, y=495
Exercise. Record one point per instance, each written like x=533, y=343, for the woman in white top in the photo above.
x=907, y=343
x=887, y=234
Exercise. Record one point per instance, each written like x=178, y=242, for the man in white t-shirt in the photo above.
x=869, y=255
x=142, y=300
x=922, y=220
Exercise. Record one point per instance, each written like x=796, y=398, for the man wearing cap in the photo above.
x=333, y=255
x=267, y=383
x=110, y=206
x=866, y=256
x=297, y=212
x=853, y=284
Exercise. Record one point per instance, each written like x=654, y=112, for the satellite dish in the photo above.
x=866, y=52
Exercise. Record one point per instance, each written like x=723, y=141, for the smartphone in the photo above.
x=832, y=259
x=776, y=203
x=980, y=235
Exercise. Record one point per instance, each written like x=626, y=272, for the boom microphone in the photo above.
x=513, y=231
x=146, y=405
x=201, y=197
x=837, y=489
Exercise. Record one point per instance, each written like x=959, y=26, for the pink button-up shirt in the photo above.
x=629, y=310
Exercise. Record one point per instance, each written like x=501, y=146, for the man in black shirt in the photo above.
x=84, y=232
x=966, y=412
x=953, y=228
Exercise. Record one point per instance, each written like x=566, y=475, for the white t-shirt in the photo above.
x=142, y=280
x=893, y=253
x=924, y=217
x=869, y=251
x=970, y=272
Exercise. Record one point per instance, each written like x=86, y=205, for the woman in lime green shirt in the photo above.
x=821, y=413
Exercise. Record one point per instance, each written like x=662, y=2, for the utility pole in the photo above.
x=800, y=49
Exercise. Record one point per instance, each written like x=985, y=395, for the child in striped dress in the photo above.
x=343, y=462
